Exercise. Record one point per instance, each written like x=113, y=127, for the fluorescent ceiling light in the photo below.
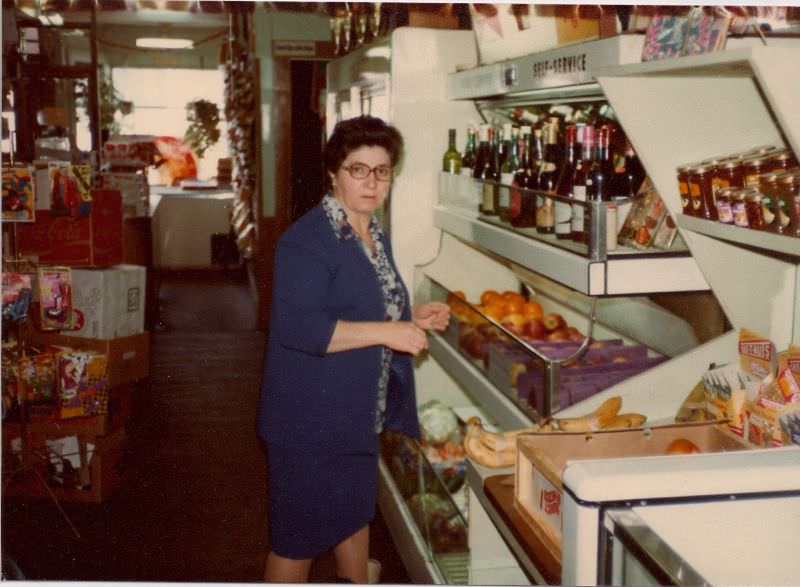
x=51, y=19
x=165, y=43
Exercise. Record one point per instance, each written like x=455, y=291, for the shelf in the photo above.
x=700, y=107
x=766, y=241
x=621, y=274
x=503, y=411
x=476, y=477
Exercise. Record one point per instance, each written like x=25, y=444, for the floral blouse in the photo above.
x=394, y=299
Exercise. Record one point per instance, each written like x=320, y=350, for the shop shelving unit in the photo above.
x=674, y=112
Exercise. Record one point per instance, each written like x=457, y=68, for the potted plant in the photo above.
x=203, y=131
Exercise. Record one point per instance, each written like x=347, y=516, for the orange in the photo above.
x=532, y=309
x=512, y=295
x=514, y=305
x=495, y=310
x=489, y=296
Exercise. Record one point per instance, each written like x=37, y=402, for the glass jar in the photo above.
x=683, y=189
x=783, y=203
x=725, y=205
x=701, y=192
x=752, y=168
x=739, y=208
x=760, y=150
x=729, y=174
x=792, y=195
x=783, y=160
x=755, y=210
x=768, y=186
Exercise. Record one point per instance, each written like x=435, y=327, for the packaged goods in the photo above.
x=757, y=357
x=83, y=383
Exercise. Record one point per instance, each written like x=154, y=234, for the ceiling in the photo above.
x=183, y=13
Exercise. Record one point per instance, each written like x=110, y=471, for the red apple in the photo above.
x=473, y=343
x=514, y=323
x=574, y=333
x=558, y=334
x=534, y=328
x=553, y=321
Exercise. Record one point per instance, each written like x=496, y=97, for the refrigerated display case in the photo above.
x=443, y=246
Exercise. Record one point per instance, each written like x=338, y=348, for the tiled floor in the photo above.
x=191, y=506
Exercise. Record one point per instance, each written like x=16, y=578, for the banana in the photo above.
x=630, y=420
x=482, y=454
x=600, y=418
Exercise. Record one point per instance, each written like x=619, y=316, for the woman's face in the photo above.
x=361, y=197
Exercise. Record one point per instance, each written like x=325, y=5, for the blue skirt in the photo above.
x=318, y=500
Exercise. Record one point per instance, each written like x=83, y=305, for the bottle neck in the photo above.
x=452, y=140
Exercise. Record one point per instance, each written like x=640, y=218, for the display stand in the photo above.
x=28, y=466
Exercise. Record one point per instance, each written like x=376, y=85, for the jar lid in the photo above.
x=757, y=160
x=728, y=192
x=768, y=177
x=700, y=168
x=761, y=150
x=753, y=195
x=732, y=163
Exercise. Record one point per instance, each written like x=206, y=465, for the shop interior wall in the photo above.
x=274, y=207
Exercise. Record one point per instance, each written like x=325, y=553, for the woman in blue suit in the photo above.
x=338, y=368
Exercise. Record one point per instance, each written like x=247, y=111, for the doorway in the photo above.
x=307, y=81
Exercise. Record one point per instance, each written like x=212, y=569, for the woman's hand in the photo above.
x=405, y=337
x=431, y=316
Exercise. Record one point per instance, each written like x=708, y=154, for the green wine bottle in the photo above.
x=451, y=162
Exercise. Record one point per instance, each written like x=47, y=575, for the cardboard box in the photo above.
x=89, y=241
x=128, y=357
x=111, y=301
x=505, y=31
x=134, y=190
x=541, y=458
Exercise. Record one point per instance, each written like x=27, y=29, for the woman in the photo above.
x=338, y=369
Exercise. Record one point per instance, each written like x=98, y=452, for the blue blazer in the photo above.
x=313, y=400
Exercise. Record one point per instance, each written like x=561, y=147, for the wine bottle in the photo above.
x=563, y=210
x=599, y=185
x=579, y=213
x=548, y=180
x=505, y=143
x=451, y=161
x=482, y=159
x=521, y=175
x=468, y=159
x=487, y=170
x=508, y=171
x=628, y=183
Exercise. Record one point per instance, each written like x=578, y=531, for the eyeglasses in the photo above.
x=362, y=171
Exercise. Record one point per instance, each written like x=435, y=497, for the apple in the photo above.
x=553, y=321
x=514, y=323
x=472, y=344
x=534, y=328
x=558, y=334
x=574, y=333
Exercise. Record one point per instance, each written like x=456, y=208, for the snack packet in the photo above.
x=757, y=357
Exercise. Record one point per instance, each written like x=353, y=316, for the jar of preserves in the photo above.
x=793, y=203
x=752, y=168
x=770, y=202
x=725, y=205
x=683, y=189
x=783, y=202
x=755, y=210
x=729, y=174
x=783, y=160
x=701, y=192
x=739, y=208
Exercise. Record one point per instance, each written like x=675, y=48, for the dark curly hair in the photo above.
x=363, y=131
